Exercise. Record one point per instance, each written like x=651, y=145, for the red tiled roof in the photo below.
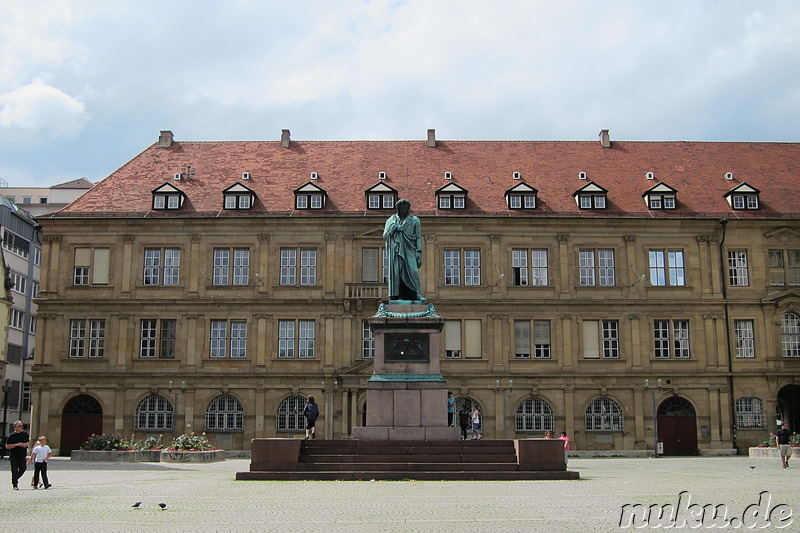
x=80, y=183
x=347, y=168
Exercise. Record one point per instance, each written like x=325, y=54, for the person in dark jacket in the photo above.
x=17, y=446
x=464, y=420
x=311, y=412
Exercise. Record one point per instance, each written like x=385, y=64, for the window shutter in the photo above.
x=591, y=347
x=101, y=266
x=473, y=333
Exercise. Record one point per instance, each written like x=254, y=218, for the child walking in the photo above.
x=39, y=457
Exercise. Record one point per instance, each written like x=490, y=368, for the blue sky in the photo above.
x=87, y=85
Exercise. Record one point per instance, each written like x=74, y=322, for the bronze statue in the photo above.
x=404, y=251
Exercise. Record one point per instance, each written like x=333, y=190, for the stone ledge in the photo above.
x=757, y=452
x=210, y=456
x=116, y=456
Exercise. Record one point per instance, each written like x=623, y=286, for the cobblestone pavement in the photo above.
x=98, y=497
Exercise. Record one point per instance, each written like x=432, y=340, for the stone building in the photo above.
x=623, y=292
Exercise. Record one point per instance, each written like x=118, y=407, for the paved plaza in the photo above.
x=98, y=497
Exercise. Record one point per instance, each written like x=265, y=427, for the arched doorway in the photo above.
x=677, y=426
x=788, y=407
x=82, y=417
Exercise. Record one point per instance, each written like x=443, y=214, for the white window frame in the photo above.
x=671, y=339
x=738, y=275
x=790, y=335
x=225, y=414
x=154, y=413
x=749, y=413
x=228, y=339
x=367, y=341
x=534, y=415
x=667, y=268
x=299, y=333
x=158, y=338
x=86, y=338
x=744, y=333
x=603, y=415
x=597, y=267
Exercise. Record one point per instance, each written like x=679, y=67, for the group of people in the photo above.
x=465, y=418
x=17, y=446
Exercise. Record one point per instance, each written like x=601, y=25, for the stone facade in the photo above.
x=600, y=344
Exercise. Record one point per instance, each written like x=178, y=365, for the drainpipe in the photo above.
x=723, y=223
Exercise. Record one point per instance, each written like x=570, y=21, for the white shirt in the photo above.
x=40, y=453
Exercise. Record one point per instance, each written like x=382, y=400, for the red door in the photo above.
x=677, y=427
x=82, y=417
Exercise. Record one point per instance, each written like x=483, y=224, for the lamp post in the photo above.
x=655, y=414
x=6, y=390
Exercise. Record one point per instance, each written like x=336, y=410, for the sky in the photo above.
x=87, y=85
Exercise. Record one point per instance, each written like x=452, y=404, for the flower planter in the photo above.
x=178, y=456
x=116, y=456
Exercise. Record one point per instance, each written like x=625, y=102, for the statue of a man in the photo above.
x=404, y=250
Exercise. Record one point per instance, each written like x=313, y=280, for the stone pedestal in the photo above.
x=407, y=394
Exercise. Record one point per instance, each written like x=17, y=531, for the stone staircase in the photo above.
x=348, y=460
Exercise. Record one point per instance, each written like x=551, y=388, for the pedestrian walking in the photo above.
x=17, y=446
x=476, y=423
x=30, y=459
x=311, y=412
x=784, y=442
x=39, y=457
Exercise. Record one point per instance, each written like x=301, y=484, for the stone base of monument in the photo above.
x=407, y=394
x=362, y=460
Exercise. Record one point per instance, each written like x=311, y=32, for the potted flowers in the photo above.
x=114, y=448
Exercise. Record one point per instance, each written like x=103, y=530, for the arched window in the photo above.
x=534, y=414
x=154, y=413
x=675, y=406
x=749, y=413
x=225, y=413
x=790, y=335
x=603, y=414
x=290, y=414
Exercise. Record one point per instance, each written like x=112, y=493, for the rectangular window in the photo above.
x=305, y=339
x=601, y=336
x=452, y=267
x=596, y=267
x=374, y=268
x=463, y=339
x=91, y=264
x=671, y=339
x=16, y=244
x=158, y=271
x=666, y=268
x=26, y=397
x=20, y=282
x=158, y=338
x=541, y=339
x=16, y=318
x=374, y=201
x=83, y=333
x=745, y=338
x=241, y=266
x=784, y=267
x=737, y=268
x=222, y=266
x=13, y=354
x=308, y=266
x=367, y=341
x=222, y=337
x=522, y=275
x=522, y=339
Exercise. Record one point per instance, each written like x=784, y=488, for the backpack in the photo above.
x=311, y=411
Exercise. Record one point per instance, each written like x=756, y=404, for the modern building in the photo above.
x=22, y=256
x=623, y=292
x=42, y=200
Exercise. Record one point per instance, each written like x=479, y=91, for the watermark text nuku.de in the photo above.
x=688, y=515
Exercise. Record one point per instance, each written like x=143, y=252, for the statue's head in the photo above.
x=403, y=206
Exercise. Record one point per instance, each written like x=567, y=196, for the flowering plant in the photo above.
x=152, y=443
x=106, y=443
x=191, y=443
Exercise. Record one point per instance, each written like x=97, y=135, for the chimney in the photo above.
x=431, y=138
x=165, y=139
x=605, y=139
x=285, y=140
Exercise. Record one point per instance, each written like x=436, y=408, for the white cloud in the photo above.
x=39, y=106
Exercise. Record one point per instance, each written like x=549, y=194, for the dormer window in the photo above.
x=521, y=196
x=452, y=196
x=660, y=196
x=591, y=196
x=167, y=197
x=743, y=197
x=237, y=196
x=381, y=196
x=309, y=196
